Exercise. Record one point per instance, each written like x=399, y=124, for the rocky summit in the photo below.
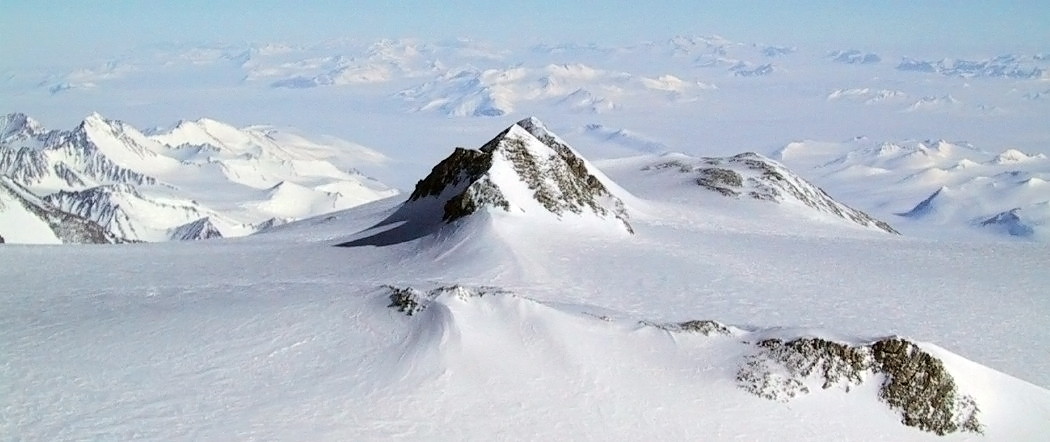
x=523, y=169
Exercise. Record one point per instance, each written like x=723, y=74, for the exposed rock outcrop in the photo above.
x=913, y=382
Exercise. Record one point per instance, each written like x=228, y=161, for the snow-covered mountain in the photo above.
x=526, y=171
x=148, y=187
x=25, y=218
x=511, y=270
x=936, y=186
x=756, y=177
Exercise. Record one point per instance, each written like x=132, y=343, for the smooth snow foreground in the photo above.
x=281, y=336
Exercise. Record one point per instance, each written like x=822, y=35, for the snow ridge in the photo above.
x=754, y=176
x=773, y=364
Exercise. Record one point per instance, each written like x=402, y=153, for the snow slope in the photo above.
x=281, y=336
x=694, y=327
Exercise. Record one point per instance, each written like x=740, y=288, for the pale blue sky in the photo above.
x=34, y=29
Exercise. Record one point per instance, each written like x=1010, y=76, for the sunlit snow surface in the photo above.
x=280, y=335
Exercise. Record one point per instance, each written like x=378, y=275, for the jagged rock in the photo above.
x=917, y=384
x=913, y=382
x=1, y=239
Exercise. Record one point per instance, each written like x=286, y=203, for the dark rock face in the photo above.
x=918, y=385
x=720, y=180
x=1, y=239
x=913, y=382
x=464, y=165
x=559, y=180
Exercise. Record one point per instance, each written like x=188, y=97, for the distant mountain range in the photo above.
x=938, y=185
x=200, y=179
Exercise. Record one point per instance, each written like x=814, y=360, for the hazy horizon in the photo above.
x=45, y=32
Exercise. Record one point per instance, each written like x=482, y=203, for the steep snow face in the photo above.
x=24, y=218
x=936, y=187
x=143, y=187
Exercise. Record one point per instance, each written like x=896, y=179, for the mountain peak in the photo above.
x=524, y=168
x=18, y=125
x=526, y=172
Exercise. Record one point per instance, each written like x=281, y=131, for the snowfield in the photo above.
x=521, y=325
x=733, y=241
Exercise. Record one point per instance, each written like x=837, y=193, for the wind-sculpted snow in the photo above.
x=152, y=187
x=917, y=384
x=576, y=333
